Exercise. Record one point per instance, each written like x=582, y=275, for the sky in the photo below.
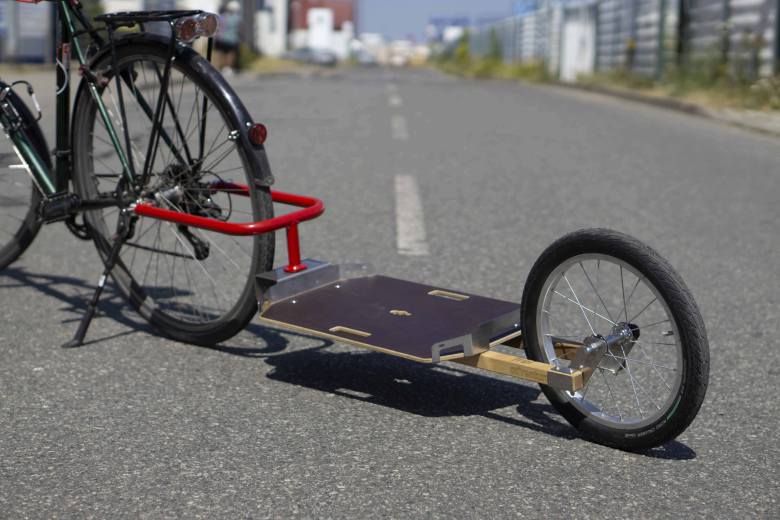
x=402, y=18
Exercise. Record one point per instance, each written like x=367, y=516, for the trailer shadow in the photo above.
x=422, y=389
x=431, y=391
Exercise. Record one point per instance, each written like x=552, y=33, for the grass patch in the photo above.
x=460, y=62
x=490, y=69
x=704, y=80
x=716, y=91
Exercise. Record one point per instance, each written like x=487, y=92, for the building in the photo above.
x=271, y=24
x=26, y=32
x=442, y=32
x=322, y=24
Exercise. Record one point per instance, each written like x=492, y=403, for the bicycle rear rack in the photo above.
x=134, y=17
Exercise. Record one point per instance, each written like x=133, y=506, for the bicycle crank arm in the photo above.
x=65, y=205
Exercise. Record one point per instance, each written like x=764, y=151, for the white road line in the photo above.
x=409, y=219
x=395, y=100
x=400, y=130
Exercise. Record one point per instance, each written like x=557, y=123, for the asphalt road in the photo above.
x=272, y=424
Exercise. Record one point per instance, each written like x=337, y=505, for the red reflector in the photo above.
x=258, y=133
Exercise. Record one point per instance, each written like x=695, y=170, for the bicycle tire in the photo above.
x=600, y=422
x=165, y=318
x=30, y=224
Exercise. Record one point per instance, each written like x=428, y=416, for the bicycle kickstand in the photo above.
x=113, y=258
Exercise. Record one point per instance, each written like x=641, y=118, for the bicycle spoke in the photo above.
x=643, y=310
x=586, y=308
x=633, y=383
x=611, y=393
x=596, y=291
x=636, y=284
x=623, y=290
x=644, y=327
x=654, y=366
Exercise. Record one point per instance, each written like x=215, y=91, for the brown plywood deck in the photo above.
x=395, y=316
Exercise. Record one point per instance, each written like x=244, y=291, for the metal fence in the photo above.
x=643, y=36
x=739, y=32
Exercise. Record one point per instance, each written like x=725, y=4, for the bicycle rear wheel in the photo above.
x=193, y=285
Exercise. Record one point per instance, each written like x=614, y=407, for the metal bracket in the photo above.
x=278, y=284
x=464, y=342
x=589, y=356
x=482, y=339
x=561, y=377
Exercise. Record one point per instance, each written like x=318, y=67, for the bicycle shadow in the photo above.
x=75, y=293
x=422, y=389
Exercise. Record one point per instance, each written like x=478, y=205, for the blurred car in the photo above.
x=366, y=59
x=399, y=60
x=311, y=56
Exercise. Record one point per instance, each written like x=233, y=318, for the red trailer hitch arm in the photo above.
x=311, y=209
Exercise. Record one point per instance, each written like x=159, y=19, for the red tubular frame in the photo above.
x=312, y=208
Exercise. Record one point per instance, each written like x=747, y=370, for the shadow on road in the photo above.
x=430, y=391
x=75, y=292
x=422, y=389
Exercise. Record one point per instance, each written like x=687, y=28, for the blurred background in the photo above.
x=726, y=51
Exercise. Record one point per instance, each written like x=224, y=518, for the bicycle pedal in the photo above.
x=59, y=207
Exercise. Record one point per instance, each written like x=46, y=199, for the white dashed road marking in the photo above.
x=400, y=130
x=410, y=222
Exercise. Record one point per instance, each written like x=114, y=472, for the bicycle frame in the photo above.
x=52, y=183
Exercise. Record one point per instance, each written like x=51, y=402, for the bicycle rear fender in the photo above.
x=238, y=117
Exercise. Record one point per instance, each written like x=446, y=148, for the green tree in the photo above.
x=496, y=50
x=463, y=50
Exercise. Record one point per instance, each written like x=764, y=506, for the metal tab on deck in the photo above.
x=406, y=319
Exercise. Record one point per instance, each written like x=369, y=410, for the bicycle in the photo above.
x=609, y=329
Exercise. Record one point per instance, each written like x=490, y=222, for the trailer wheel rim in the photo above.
x=595, y=314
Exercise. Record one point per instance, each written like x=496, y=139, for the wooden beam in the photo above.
x=563, y=349
x=526, y=369
x=567, y=350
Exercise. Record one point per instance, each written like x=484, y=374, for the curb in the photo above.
x=670, y=104
x=667, y=103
